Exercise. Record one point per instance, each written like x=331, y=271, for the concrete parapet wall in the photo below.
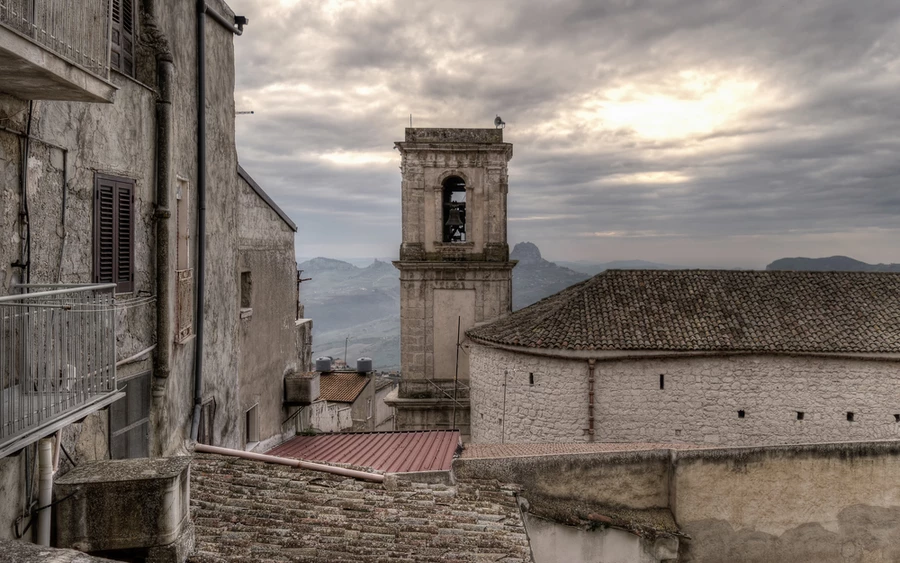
x=804, y=503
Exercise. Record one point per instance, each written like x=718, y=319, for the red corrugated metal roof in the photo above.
x=391, y=452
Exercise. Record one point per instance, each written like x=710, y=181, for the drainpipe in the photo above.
x=201, y=215
x=376, y=477
x=236, y=27
x=590, y=429
x=45, y=490
x=165, y=135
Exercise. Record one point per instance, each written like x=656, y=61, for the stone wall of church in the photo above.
x=720, y=400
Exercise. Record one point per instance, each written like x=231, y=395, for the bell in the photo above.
x=453, y=219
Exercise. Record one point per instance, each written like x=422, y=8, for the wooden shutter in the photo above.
x=121, y=56
x=114, y=232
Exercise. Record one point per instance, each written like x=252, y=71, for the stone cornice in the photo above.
x=456, y=265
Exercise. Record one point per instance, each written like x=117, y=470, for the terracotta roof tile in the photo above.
x=341, y=386
x=391, y=452
x=251, y=511
x=708, y=310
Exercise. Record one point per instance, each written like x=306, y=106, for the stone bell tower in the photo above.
x=454, y=266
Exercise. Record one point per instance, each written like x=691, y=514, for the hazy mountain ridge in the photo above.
x=830, y=264
x=535, y=278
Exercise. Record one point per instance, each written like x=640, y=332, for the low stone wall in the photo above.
x=806, y=503
x=715, y=400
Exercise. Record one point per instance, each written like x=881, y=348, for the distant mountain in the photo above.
x=535, y=278
x=594, y=268
x=345, y=299
x=362, y=303
x=830, y=264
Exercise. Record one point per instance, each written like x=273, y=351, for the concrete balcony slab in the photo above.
x=33, y=72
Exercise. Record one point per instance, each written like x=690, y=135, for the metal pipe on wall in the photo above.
x=376, y=477
x=202, y=10
x=590, y=428
x=201, y=216
x=45, y=490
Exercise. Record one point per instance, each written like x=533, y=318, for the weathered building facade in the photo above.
x=704, y=357
x=114, y=186
x=454, y=266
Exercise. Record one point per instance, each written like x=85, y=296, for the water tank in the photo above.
x=323, y=364
x=364, y=365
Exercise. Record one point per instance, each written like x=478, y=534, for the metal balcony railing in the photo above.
x=57, y=359
x=76, y=30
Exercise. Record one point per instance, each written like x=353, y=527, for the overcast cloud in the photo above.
x=716, y=133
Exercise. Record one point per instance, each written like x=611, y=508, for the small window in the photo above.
x=251, y=425
x=741, y=414
x=662, y=381
x=207, y=417
x=246, y=290
x=800, y=415
x=454, y=205
x=897, y=418
x=182, y=224
x=121, y=43
x=530, y=378
x=114, y=232
x=850, y=416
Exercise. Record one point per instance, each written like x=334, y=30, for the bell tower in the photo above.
x=454, y=266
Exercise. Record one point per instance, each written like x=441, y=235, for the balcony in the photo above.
x=55, y=49
x=57, y=359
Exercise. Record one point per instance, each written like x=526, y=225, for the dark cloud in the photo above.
x=702, y=133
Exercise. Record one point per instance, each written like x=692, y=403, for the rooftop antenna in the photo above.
x=243, y=113
x=499, y=123
x=410, y=121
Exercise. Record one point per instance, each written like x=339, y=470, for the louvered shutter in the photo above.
x=114, y=232
x=124, y=276
x=121, y=55
x=104, y=230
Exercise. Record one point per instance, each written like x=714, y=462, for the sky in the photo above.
x=705, y=134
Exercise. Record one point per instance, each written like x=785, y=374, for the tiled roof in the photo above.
x=341, y=386
x=391, y=452
x=708, y=310
x=248, y=511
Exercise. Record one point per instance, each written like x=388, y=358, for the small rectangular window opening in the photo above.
x=897, y=418
x=850, y=416
x=800, y=415
x=741, y=414
x=251, y=425
x=662, y=381
x=246, y=290
x=530, y=378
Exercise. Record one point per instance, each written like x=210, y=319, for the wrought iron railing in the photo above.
x=77, y=30
x=57, y=356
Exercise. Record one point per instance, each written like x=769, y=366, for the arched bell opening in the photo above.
x=454, y=206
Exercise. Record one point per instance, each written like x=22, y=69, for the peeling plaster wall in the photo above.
x=816, y=503
x=269, y=346
x=698, y=404
x=120, y=139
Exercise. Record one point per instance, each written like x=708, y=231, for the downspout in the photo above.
x=201, y=216
x=590, y=428
x=237, y=28
x=45, y=490
x=165, y=133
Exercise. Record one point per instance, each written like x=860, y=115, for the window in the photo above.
x=454, y=205
x=207, y=417
x=121, y=49
x=251, y=426
x=183, y=245
x=114, y=232
x=246, y=295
